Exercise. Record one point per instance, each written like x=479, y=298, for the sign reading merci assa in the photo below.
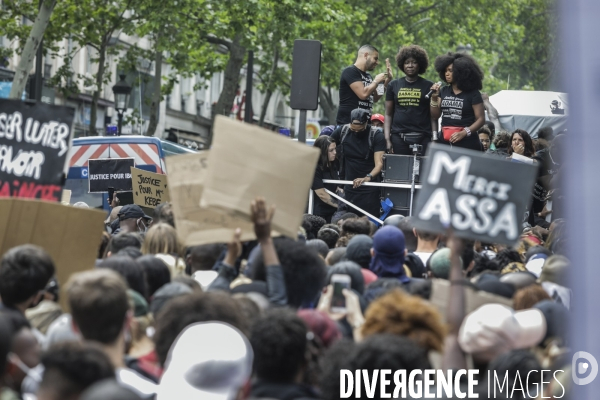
x=113, y=173
x=481, y=197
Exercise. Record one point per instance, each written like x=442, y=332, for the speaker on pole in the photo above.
x=306, y=70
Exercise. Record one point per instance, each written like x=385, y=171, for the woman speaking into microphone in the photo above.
x=459, y=103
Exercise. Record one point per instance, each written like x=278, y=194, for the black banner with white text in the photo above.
x=34, y=145
x=480, y=197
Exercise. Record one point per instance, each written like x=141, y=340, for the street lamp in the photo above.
x=121, y=90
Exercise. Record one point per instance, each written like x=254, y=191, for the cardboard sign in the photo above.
x=149, y=189
x=196, y=225
x=34, y=143
x=247, y=161
x=105, y=173
x=71, y=235
x=480, y=197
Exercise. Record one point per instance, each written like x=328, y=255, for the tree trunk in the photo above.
x=156, y=95
x=328, y=106
x=231, y=78
x=99, y=82
x=269, y=92
x=30, y=49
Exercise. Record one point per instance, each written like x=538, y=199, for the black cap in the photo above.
x=361, y=115
x=132, y=211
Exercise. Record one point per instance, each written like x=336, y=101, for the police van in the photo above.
x=148, y=153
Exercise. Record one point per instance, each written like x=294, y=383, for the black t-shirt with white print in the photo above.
x=457, y=110
x=411, y=108
x=348, y=99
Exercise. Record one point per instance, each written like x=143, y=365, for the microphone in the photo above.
x=431, y=91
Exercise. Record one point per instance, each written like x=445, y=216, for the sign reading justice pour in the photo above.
x=480, y=197
x=113, y=173
x=149, y=189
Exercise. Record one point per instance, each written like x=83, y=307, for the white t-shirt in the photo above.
x=132, y=380
x=423, y=256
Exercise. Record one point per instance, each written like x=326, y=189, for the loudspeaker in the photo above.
x=306, y=70
x=399, y=168
x=401, y=211
x=399, y=197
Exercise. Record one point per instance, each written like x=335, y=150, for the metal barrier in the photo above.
x=339, y=182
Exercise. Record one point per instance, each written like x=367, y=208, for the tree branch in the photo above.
x=216, y=40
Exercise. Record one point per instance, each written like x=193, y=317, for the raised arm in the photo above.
x=492, y=112
x=364, y=92
x=262, y=217
x=434, y=104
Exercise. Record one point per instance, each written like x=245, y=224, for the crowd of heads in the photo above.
x=155, y=318
x=149, y=319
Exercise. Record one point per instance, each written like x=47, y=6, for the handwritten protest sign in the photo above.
x=196, y=225
x=34, y=143
x=149, y=189
x=70, y=235
x=247, y=161
x=480, y=197
x=113, y=173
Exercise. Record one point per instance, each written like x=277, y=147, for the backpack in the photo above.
x=344, y=133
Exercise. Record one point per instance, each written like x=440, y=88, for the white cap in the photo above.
x=208, y=361
x=536, y=263
x=493, y=329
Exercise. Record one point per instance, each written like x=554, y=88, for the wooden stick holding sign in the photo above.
x=480, y=197
x=149, y=189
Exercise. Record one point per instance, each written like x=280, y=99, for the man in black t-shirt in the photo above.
x=362, y=156
x=357, y=88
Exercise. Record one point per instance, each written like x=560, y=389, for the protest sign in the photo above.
x=34, y=143
x=107, y=173
x=149, y=189
x=71, y=235
x=196, y=225
x=480, y=197
x=247, y=161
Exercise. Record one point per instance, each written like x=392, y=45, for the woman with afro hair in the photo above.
x=407, y=113
x=459, y=104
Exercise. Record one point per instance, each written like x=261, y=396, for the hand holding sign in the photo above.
x=480, y=197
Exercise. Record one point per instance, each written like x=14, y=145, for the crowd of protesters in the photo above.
x=255, y=319
x=155, y=319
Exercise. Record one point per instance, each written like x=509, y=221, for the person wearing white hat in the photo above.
x=208, y=361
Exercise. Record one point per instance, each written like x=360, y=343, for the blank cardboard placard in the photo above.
x=247, y=161
x=149, y=189
x=196, y=225
x=71, y=235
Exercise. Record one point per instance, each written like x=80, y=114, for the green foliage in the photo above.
x=512, y=40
